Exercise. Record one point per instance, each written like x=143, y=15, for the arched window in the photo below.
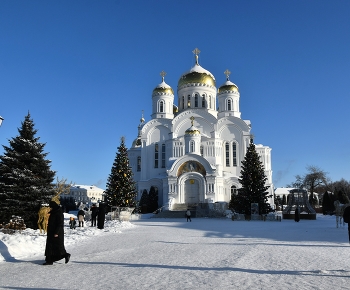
x=163, y=155
x=209, y=102
x=233, y=189
x=234, y=154
x=192, y=146
x=203, y=101
x=188, y=101
x=139, y=163
x=156, y=155
x=196, y=100
x=201, y=149
x=227, y=154
x=161, y=107
x=228, y=105
x=183, y=102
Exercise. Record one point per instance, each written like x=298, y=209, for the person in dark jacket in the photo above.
x=94, y=212
x=55, y=250
x=101, y=216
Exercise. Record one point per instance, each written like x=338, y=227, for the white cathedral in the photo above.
x=191, y=153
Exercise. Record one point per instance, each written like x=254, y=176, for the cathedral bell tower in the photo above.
x=163, y=100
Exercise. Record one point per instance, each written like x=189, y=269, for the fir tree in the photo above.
x=120, y=188
x=25, y=176
x=253, y=180
x=153, y=199
x=144, y=202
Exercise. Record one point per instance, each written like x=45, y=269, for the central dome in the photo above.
x=197, y=75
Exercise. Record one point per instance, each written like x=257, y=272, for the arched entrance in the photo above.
x=191, y=188
x=191, y=191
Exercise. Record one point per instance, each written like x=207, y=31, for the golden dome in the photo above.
x=197, y=75
x=175, y=109
x=192, y=131
x=163, y=87
x=229, y=87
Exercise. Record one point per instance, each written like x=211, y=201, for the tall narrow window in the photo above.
x=201, y=149
x=161, y=107
x=234, y=154
x=183, y=102
x=188, y=101
x=209, y=102
x=196, y=100
x=203, y=101
x=156, y=155
x=228, y=105
x=192, y=146
x=139, y=163
x=227, y=154
x=163, y=155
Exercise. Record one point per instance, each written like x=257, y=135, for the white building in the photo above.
x=86, y=194
x=192, y=152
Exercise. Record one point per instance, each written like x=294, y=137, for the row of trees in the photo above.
x=26, y=178
x=317, y=182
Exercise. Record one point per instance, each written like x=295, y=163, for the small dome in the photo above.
x=175, y=109
x=192, y=131
x=228, y=86
x=163, y=88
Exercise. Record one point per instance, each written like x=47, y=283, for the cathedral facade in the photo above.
x=191, y=152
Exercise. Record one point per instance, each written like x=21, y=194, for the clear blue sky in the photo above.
x=86, y=69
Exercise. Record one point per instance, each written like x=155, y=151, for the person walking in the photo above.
x=54, y=249
x=188, y=215
x=94, y=212
x=81, y=215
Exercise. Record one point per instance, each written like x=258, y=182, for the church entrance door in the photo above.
x=191, y=191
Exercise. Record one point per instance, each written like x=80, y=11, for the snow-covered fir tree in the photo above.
x=25, y=176
x=120, y=188
x=253, y=181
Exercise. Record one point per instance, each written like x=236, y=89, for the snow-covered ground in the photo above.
x=174, y=254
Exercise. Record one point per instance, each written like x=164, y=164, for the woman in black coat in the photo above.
x=55, y=250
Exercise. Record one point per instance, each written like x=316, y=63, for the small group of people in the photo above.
x=81, y=217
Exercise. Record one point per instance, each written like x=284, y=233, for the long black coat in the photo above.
x=55, y=249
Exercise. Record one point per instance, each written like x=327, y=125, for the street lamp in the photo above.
x=1, y=119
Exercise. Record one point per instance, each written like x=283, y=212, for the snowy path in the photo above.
x=204, y=254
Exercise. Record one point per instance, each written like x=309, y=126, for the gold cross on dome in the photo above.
x=162, y=74
x=192, y=119
x=196, y=51
x=227, y=73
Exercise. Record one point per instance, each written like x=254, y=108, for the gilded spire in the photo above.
x=142, y=118
x=196, y=52
x=162, y=74
x=192, y=119
x=227, y=73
